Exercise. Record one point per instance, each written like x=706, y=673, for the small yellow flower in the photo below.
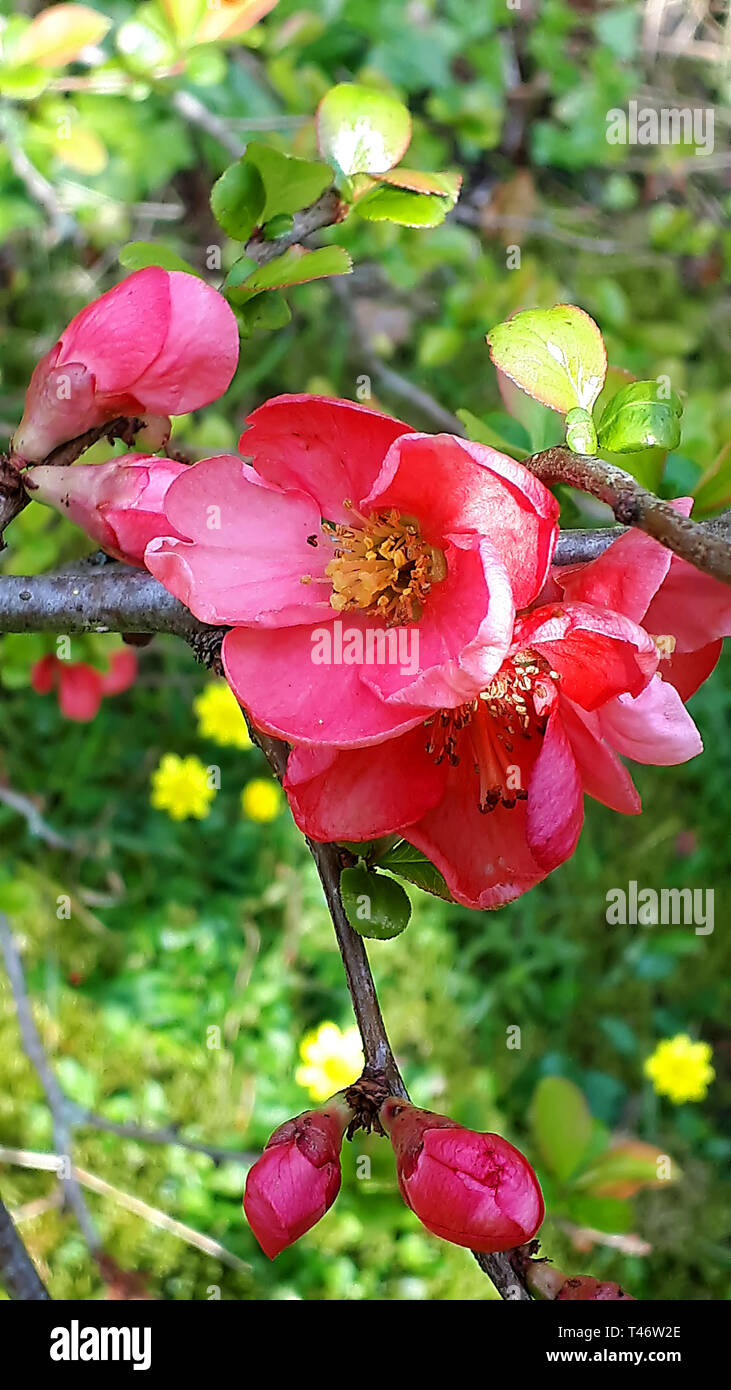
x=181, y=787
x=331, y=1060
x=680, y=1069
x=220, y=717
x=262, y=800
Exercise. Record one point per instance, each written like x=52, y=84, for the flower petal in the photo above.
x=654, y=728
x=330, y=448
x=452, y=485
x=275, y=673
x=555, y=798
x=360, y=793
x=598, y=654
x=604, y=777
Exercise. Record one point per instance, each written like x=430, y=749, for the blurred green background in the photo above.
x=176, y=929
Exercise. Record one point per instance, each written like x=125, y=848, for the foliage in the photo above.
x=198, y=953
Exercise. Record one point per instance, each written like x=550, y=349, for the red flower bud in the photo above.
x=297, y=1178
x=471, y=1189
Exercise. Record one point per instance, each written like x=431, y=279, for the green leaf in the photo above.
x=281, y=225
x=294, y=267
x=647, y=465
x=184, y=16
x=542, y=425
x=57, y=35
x=398, y=205
x=644, y=414
x=24, y=83
x=447, y=184
x=263, y=314
x=137, y=255
x=362, y=130
x=499, y=431
x=580, y=431
x=625, y=1168
x=376, y=906
x=713, y=489
x=409, y=863
x=600, y=1213
x=238, y=199
x=562, y=1124
x=556, y=355
x=289, y=183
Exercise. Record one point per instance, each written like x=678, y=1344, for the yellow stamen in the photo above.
x=384, y=567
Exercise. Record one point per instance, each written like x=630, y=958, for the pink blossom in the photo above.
x=81, y=687
x=491, y=792
x=160, y=343
x=472, y=1189
x=347, y=514
x=119, y=503
x=297, y=1178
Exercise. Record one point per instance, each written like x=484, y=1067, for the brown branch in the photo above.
x=328, y=210
x=18, y=1275
x=633, y=505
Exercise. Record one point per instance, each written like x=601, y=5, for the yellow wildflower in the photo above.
x=331, y=1060
x=220, y=717
x=262, y=800
x=680, y=1069
x=181, y=787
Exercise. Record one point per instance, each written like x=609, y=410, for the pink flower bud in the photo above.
x=160, y=343
x=471, y=1189
x=297, y=1178
x=119, y=503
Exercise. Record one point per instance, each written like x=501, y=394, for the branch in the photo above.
x=707, y=548
x=328, y=210
x=18, y=1274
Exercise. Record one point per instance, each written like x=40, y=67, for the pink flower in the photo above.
x=119, y=504
x=687, y=613
x=348, y=517
x=471, y=1189
x=297, y=1178
x=81, y=687
x=160, y=343
x=491, y=792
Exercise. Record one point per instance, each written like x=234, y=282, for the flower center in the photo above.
x=383, y=567
x=493, y=731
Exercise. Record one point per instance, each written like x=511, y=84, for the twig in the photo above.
x=36, y=824
x=633, y=505
x=82, y=1117
x=18, y=1274
x=38, y=187
x=195, y=113
x=326, y=212
x=57, y=1102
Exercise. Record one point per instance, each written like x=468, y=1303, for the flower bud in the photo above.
x=119, y=503
x=472, y=1189
x=160, y=343
x=81, y=687
x=297, y=1178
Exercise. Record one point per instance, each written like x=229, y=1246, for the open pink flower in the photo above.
x=687, y=613
x=492, y=791
x=160, y=343
x=119, y=503
x=81, y=687
x=469, y=1188
x=349, y=518
x=297, y=1178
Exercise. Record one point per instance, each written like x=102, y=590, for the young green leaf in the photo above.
x=624, y=1168
x=644, y=414
x=409, y=863
x=137, y=255
x=238, y=199
x=376, y=906
x=289, y=183
x=556, y=355
x=562, y=1124
x=580, y=431
x=713, y=489
x=293, y=267
x=399, y=205
x=447, y=184
x=262, y=314
x=362, y=130
x=57, y=35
